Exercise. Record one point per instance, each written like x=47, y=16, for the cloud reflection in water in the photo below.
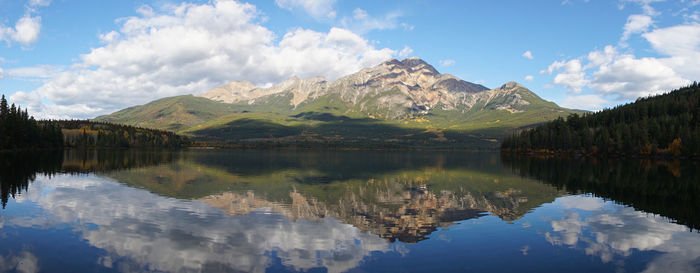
x=608, y=230
x=167, y=234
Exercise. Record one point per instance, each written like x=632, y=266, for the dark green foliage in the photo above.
x=667, y=124
x=84, y=133
x=19, y=131
x=18, y=169
x=667, y=188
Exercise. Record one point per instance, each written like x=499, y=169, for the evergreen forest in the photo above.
x=662, y=125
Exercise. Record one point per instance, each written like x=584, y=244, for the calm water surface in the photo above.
x=310, y=211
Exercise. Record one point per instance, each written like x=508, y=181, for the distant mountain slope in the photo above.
x=395, y=103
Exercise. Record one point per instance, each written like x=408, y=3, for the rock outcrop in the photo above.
x=394, y=87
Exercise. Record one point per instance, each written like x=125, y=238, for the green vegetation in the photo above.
x=663, y=125
x=91, y=134
x=328, y=121
x=19, y=131
x=375, y=179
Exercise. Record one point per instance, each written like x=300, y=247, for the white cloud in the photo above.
x=678, y=40
x=644, y=4
x=581, y=202
x=359, y=14
x=318, y=9
x=619, y=231
x=571, y=77
x=528, y=55
x=636, y=23
x=23, y=262
x=624, y=76
x=405, y=52
x=529, y=78
x=240, y=243
x=447, y=62
x=629, y=78
x=362, y=22
x=32, y=73
x=192, y=48
x=407, y=27
x=26, y=31
x=587, y=102
x=39, y=3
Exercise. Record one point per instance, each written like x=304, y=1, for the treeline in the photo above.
x=89, y=134
x=19, y=131
x=667, y=125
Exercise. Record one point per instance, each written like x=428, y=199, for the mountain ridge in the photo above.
x=407, y=102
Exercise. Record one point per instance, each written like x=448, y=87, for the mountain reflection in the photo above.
x=229, y=211
x=372, y=191
x=138, y=228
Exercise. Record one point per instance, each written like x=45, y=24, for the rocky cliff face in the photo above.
x=395, y=87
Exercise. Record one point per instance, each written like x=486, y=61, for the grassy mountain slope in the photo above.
x=395, y=104
x=330, y=120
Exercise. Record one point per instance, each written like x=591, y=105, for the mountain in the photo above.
x=396, y=103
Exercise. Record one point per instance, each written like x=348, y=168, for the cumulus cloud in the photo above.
x=581, y=202
x=616, y=73
x=26, y=31
x=682, y=46
x=191, y=48
x=362, y=22
x=529, y=78
x=318, y=9
x=627, y=77
x=23, y=262
x=602, y=234
x=167, y=234
x=624, y=76
x=588, y=102
x=405, y=52
x=636, y=23
x=447, y=62
x=528, y=55
x=32, y=73
x=571, y=75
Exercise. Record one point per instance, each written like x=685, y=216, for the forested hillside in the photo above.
x=19, y=131
x=667, y=124
x=83, y=133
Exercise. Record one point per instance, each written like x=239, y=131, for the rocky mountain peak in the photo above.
x=410, y=65
x=511, y=85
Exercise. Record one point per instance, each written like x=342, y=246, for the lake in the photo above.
x=344, y=211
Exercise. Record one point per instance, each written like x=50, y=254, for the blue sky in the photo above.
x=80, y=59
